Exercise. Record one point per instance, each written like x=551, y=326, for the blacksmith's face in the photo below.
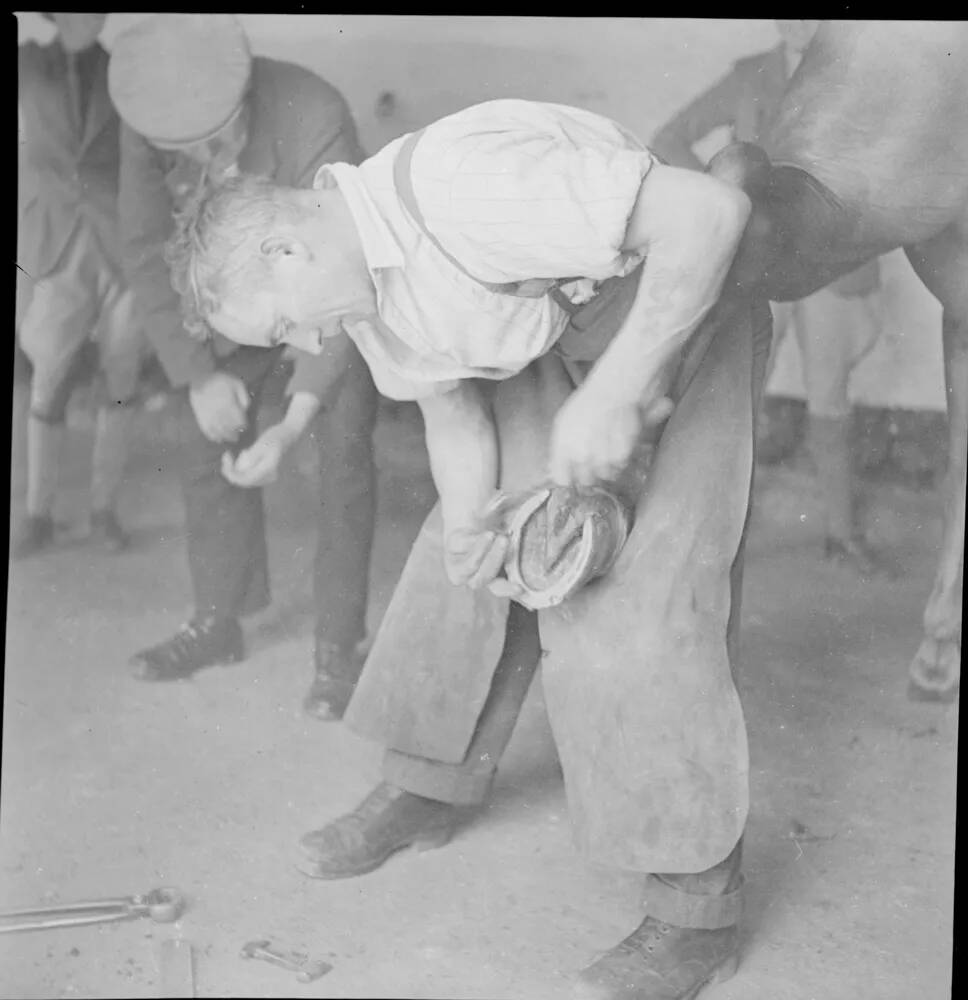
x=295, y=297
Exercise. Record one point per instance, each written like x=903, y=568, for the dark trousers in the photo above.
x=225, y=524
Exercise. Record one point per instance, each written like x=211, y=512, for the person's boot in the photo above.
x=387, y=820
x=34, y=534
x=202, y=642
x=107, y=530
x=337, y=671
x=690, y=938
x=658, y=961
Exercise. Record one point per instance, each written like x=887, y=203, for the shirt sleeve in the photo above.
x=518, y=189
x=146, y=222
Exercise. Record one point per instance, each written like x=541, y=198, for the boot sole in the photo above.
x=724, y=971
x=153, y=677
x=425, y=842
x=720, y=974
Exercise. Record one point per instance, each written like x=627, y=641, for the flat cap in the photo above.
x=178, y=78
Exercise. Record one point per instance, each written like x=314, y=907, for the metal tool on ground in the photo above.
x=162, y=905
x=306, y=969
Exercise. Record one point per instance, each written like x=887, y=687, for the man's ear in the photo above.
x=283, y=246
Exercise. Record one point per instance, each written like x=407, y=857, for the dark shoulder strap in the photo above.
x=404, y=186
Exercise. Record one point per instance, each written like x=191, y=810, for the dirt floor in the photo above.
x=111, y=786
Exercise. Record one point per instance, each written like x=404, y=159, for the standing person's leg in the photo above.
x=833, y=331
x=347, y=508
x=121, y=346
x=55, y=326
x=779, y=425
x=225, y=535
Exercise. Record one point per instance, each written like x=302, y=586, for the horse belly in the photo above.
x=878, y=113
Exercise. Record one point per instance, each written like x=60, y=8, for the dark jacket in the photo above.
x=68, y=169
x=745, y=99
x=296, y=123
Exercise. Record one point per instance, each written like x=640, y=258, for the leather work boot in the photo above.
x=34, y=534
x=337, y=671
x=107, y=530
x=387, y=820
x=660, y=962
x=202, y=642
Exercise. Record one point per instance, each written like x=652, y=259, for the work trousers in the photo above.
x=225, y=524
x=469, y=782
x=708, y=898
x=627, y=800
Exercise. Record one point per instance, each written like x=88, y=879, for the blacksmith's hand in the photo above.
x=592, y=438
x=220, y=402
x=474, y=556
x=258, y=465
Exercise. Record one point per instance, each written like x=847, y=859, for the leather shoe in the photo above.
x=202, y=642
x=387, y=820
x=658, y=961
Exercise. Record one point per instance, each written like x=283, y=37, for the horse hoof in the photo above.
x=935, y=672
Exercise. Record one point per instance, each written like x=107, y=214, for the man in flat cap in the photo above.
x=70, y=288
x=197, y=108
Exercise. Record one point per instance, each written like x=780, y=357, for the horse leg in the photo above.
x=936, y=669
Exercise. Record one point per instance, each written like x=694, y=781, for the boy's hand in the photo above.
x=592, y=438
x=258, y=465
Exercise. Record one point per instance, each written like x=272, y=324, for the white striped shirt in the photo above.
x=512, y=190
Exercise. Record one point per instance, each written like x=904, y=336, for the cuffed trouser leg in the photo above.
x=225, y=524
x=469, y=782
x=706, y=900
x=347, y=504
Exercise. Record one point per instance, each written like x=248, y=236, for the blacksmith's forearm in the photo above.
x=688, y=226
x=462, y=445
